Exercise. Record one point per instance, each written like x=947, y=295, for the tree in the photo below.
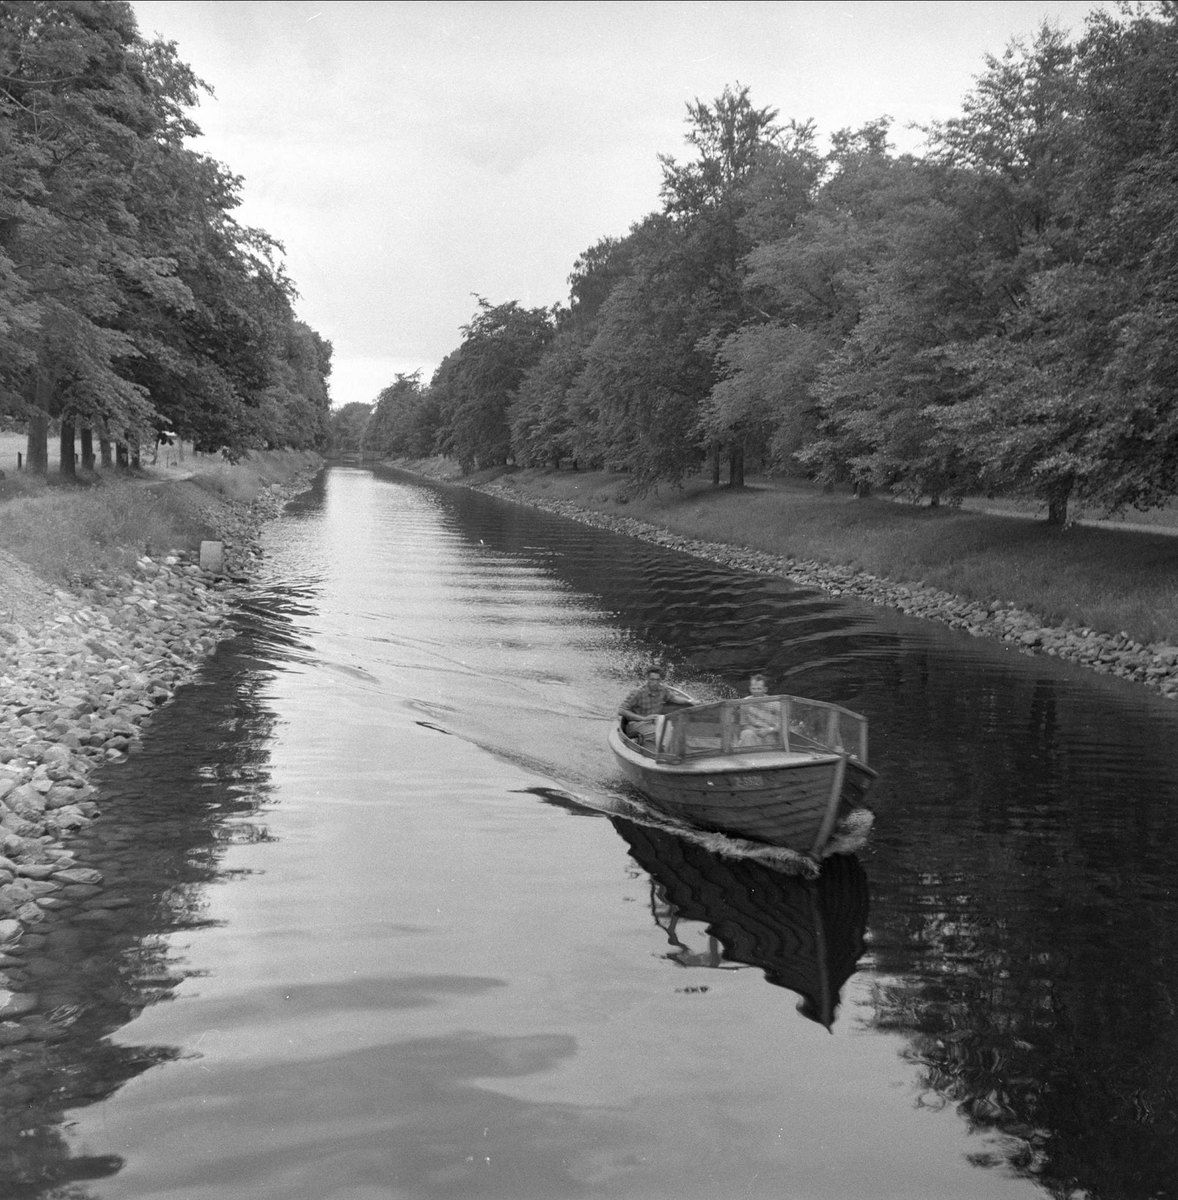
x=729, y=136
x=295, y=407
x=549, y=420
x=804, y=289
x=541, y=418
x=764, y=394
x=208, y=363
x=1018, y=132
x=1075, y=393
x=760, y=400
x=958, y=240
x=405, y=420
x=933, y=280
x=474, y=392
x=76, y=106
x=133, y=302
x=651, y=361
x=348, y=427
x=711, y=196
x=636, y=401
x=1124, y=198
x=596, y=272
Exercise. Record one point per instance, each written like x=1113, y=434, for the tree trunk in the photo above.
x=38, y=447
x=736, y=466
x=1057, y=503
x=68, y=462
x=87, y=449
x=104, y=451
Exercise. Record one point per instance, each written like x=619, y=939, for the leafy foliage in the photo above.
x=542, y=428
x=349, y=428
x=474, y=387
x=405, y=420
x=130, y=301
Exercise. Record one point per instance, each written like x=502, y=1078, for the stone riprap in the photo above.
x=1155, y=665
x=79, y=681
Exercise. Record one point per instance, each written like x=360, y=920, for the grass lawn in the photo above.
x=13, y=443
x=71, y=531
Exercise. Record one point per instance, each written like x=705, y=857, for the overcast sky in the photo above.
x=411, y=154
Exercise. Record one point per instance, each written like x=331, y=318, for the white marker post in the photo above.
x=212, y=557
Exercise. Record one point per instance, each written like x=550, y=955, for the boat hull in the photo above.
x=783, y=800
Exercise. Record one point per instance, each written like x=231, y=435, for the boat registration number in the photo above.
x=745, y=782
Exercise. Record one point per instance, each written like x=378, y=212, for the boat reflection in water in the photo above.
x=806, y=935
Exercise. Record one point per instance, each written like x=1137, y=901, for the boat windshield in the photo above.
x=787, y=723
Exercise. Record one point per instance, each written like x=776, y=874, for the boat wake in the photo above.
x=850, y=836
x=590, y=799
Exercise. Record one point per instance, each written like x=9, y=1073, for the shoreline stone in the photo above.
x=81, y=679
x=1155, y=665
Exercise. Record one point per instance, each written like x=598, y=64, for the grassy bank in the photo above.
x=70, y=533
x=1111, y=580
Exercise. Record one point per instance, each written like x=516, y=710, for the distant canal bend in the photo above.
x=363, y=931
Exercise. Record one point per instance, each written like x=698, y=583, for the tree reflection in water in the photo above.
x=167, y=817
x=1024, y=931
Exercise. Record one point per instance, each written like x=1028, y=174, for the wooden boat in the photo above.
x=777, y=769
x=806, y=935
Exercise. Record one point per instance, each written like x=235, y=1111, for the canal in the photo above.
x=375, y=920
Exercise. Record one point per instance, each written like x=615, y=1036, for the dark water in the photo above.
x=362, y=934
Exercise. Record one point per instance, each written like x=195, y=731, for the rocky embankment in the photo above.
x=80, y=676
x=1155, y=665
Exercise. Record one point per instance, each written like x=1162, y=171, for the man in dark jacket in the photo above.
x=644, y=703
